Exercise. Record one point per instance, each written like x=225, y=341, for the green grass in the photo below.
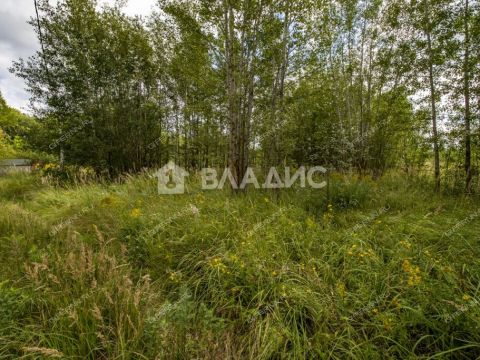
x=119, y=272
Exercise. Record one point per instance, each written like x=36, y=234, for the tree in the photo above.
x=97, y=80
x=466, y=78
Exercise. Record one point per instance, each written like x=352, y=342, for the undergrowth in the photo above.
x=376, y=269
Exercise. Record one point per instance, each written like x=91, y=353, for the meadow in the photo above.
x=382, y=269
x=382, y=263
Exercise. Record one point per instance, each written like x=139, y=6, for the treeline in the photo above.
x=364, y=85
x=19, y=133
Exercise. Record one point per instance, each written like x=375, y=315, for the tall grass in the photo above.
x=370, y=272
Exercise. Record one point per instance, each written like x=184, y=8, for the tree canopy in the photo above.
x=364, y=85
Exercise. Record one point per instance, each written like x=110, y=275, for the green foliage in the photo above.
x=14, y=304
x=339, y=85
x=376, y=266
x=18, y=187
x=20, y=135
x=343, y=195
x=379, y=276
x=67, y=175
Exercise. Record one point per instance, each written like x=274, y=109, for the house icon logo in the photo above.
x=171, y=179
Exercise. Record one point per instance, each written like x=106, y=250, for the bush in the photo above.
x=343, y=194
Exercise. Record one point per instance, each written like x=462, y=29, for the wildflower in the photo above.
x=175, y=277
x=466, y=297
x=217, y=264
x=414, y=280
x=135, y=213
x=341, y=289
x=406, y=266
x=396, y=303
x=414, y=277
x=200, y=198
x=387, y=323
x=406, y=244
x=274, y=273
x=351, y=250
x=50, y=166
x=369, y=253
x=375, y=311
x=194, y=210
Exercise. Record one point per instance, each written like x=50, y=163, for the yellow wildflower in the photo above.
x=387, y=323
x=341, y=289
x=351, y=250
x=414, y=278
x=175, y=277
x=217, y=263
x=396, y=303
x=406, y=266
x=466, y=297
x=135, y=213
x=406, y=244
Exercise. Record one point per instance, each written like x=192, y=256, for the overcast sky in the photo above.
x=18, y=40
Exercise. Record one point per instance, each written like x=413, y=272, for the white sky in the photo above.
x=18, y=40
